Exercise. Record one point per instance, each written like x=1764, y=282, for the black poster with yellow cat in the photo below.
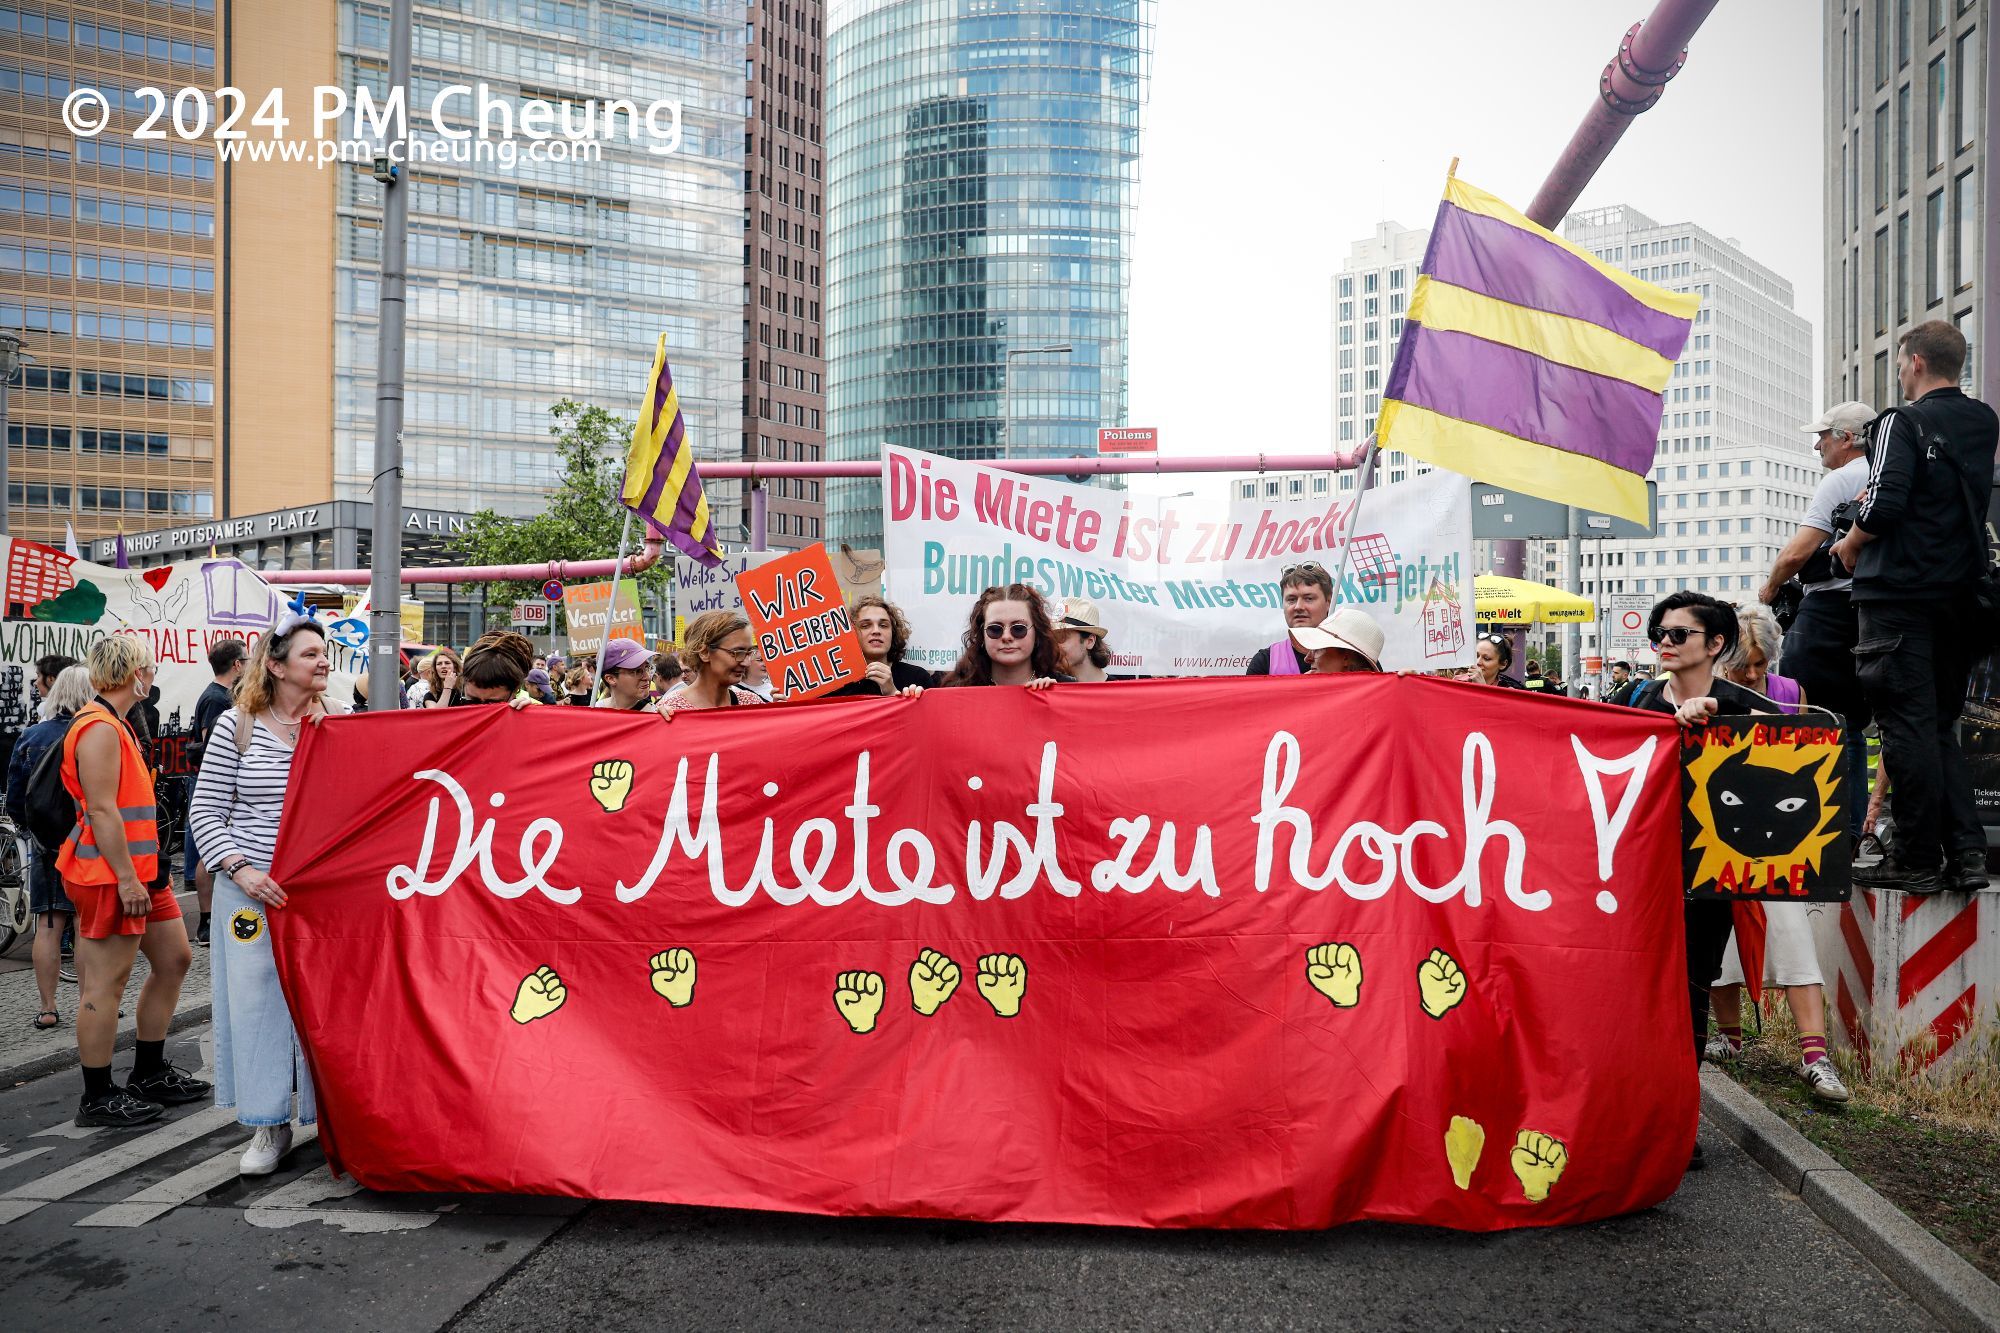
x=1764, y=812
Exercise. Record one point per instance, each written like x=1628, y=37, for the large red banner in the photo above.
x=1270, y=952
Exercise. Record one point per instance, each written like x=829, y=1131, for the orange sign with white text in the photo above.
x=801, y=624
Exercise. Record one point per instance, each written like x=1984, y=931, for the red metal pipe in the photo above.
x=1650, y=54
x=1057, y=467
x=548, y=569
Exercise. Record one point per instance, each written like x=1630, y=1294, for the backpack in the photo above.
x=51, y=813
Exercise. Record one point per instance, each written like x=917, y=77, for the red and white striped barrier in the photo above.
x=1898, y=966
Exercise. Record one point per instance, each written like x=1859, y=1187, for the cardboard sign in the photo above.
x=584, y=604
x=699, y=588
x=802, y=626
x=1765, y=809
x=860, y=572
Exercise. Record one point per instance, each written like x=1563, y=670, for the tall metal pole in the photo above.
x=1573, y=632
x=760, y=517
x=1986, y=352
x=385, y=635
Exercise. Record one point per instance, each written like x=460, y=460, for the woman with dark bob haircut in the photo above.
x=1008, y=641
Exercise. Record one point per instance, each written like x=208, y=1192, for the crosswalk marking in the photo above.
x=8, y=1159
x=292, y=1205
x=68, y=1129
x=18, y=1202
x=189, y=1185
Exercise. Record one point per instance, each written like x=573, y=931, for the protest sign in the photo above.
x=1765, y=809
x=860, y=572
x=699, y=588
x=1404, y=949
x=1185, y=588
x=800, y=624
x=57, y=604
x=584, y=606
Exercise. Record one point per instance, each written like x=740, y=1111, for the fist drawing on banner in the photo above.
x=933, y=978
x=1538, y=1162
x=1334, y=969
x=1463, y=1142
x=858, y=996
x=1003, y=980
x=673, y=976
x=1440, y=983
x=611, y=783
x=541, y=993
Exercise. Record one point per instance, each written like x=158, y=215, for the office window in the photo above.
x=1966, y=126
x=1934, y=233
x=1881, y=399
x=1905, y=31
x=1902, y=141
x=1902, y=268
x=1883, y=174
x=1965, y=237
x=1938, y=140
x=1882, y=281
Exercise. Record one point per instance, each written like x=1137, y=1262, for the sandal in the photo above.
x=52, y=1019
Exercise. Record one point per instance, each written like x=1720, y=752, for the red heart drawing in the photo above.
x=157, y=578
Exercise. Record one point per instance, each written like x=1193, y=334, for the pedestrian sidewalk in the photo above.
x=26, y=1052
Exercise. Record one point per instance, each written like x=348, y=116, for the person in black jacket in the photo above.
x=1917, y=549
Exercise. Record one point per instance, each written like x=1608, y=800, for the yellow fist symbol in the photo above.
x=933, y=978
x=1463, y=1142
x=1538, y=1161
x=1003, y=980
x=673, y=976
x=611, y=783
x=541, y=993
x=1335, y=972
x=1440, y=985
x=858, y=996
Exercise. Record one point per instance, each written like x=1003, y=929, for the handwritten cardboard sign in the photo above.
x=584, y=606
x=699, y=588
x=1765, y=809
x=802, y=626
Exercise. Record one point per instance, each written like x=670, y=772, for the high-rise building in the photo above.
x=1904, y=216
x=784, y=398
x=110, y=268
x=1733, y=472
x=982, y=166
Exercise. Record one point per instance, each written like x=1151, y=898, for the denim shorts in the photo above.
x=45, y=887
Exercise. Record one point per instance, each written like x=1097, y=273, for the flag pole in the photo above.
x=611, y=609
x=1354, y=516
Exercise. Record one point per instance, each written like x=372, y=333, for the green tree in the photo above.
x=582, y=518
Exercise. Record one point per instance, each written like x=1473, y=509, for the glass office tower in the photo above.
x=982, y=167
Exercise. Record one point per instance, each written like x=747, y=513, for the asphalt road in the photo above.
x=153, y=1229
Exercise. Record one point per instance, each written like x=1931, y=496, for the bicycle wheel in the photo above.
x=14, y=913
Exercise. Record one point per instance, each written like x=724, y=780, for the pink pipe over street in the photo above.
x=546, y=570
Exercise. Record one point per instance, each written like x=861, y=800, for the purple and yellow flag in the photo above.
x=661, y=483
x=1527, y=363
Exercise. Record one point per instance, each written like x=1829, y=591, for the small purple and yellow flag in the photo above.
x=1528, y=363
x=661, y=483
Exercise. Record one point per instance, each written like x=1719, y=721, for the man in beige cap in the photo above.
x=1819, y=649
x=1347, y=640
x=1081, y=653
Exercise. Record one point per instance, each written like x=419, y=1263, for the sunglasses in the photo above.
x=1018, y=630
x=1492, y=638
x=1677, y=635
x=1306, y=567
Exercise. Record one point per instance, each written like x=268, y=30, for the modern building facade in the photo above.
x=1905, y=109
x=784, y=395
x=982, y=168
x=110, y=269
x=1733, y=471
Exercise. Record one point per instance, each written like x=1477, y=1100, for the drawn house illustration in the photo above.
x=35, y=573
x=1444, y=626
x=1374, y=560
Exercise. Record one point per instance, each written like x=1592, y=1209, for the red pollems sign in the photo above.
x=1272, y=953
x=1128, y=440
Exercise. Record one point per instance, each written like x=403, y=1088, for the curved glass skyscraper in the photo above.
x=982, y=163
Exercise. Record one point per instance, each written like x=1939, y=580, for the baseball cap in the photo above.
x=623, y=654
x=1080, y=613
x=1849, y=417
x=1348, y=627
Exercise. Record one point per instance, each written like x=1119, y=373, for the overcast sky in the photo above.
x=1281, y=131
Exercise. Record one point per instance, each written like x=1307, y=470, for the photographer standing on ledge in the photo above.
x=1819, y=650
x=1918, y=552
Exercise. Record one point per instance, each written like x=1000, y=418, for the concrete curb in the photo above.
x=64, y=1057
x=1929, y=1270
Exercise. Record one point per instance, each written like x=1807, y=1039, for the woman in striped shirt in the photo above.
x=238, y=800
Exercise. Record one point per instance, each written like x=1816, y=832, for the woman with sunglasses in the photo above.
x=719, y=648
x=1009, y=641
x=1493, y=655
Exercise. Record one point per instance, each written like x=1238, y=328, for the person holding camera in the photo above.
x=1819, y=647
x=1928, y=607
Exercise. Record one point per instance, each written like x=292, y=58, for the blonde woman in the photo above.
x=718, y=647
x=113, y=872
x=238, y=800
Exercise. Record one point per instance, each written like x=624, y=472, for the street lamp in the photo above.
x=1007, y=397
x=12, y=358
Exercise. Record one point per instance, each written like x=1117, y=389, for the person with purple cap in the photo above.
x=625, y=670
x=541, y=686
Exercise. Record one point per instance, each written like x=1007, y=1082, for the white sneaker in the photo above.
x=267, y=1147
x=1825, y=1084
x=1719, y=1050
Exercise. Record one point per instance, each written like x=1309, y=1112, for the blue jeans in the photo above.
x=258, y=1064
